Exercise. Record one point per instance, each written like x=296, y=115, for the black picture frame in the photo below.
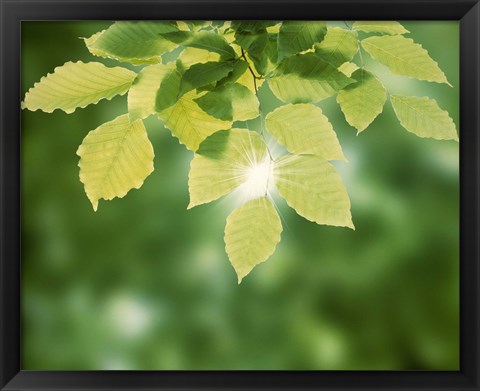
x=14, y=11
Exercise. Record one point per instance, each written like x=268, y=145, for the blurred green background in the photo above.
x=145, y=284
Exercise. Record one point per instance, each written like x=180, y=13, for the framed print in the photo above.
x=239, y=195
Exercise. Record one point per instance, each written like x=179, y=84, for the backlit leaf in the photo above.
x=274, y=29
x=191, y=56
x=261, y=48
x=115, y=158
x=423, y=117
x=134, y=42
x=296, y=36
x=199, y=75
x=339, y=46
x=189, y=123
x=303, y=129
x=246, y=79
x=209, y=40
x=348, y=68
x=222, y=164
x=404, y=57
x=252, y=232
x=306, y=78
x=312, y=187
x=143, y=92
x=239, y=68
x=232, y=101
x=363, y=101
x=385, y=27
x=180, y=36
x=77, y=84
x=251, y=26
x=206, y=40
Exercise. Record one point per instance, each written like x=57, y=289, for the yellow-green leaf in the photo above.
x=312, y=187
x=306, y=78
x=134, y=42
x=423, y=117
x=246, y=79
x=385, y=27
x=348, y=68
x=223, y=163
x=274, y=29
x=297, y=36
x=304, y=129
x=239, y=67
x=339, y=46
x=191, y=56
x=143, y=92
x=206, y=40
x=404, y=57
x=229, y=102
x=260, y=48
x=252, y=232
x=168, y=93
x=77, y=84
x=200, y=75
x=209, y=40
x=189, y=123
x=251, y=26
x=363, y=101
x=115, y=158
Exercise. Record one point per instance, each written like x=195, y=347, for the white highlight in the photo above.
x=130, y=317
x=259, y=179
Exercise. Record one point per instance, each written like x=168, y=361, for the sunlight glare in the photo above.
x=259, y=178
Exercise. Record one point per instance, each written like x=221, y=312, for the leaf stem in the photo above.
x=255, y=77
x=262, y=120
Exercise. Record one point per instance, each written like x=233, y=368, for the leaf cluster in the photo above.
x=201, y=79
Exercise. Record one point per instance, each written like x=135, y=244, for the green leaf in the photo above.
x=143, y=92
x=271, y=52
x=206, y=40
x=404, y=57
x=222, y=164
x=198, y=24
x=191, y=56
x=229, y=102
x=209, y=40
x=255, y=45
x=363, y=101
x=338, y=47
x=115, y=158
x=297, y=36
x=384, y=27
x=312, y=187
x=229, y=35
x=261, y=48
x=303, y=129
x=306, y=78
x=252, y=232
x=252, y=26
x=246, y=79
x=274, y=28
x=200, y=75
x=239, y=69
x=77, y=85
x=347, y=68
x=134, y=42
x=188, y=122
x=168, y=93
x=180, y=36
x=423, y=117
